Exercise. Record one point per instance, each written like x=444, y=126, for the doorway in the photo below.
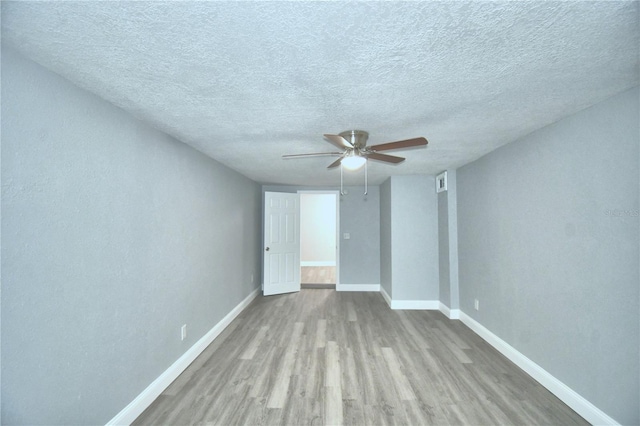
x=319, y=230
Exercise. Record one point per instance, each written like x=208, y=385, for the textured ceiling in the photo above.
x=245, y=82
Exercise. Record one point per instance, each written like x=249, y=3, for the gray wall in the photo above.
x=409, y=236
x=114, y=235
x=443, y=249
x=386, y=271
x=448, y=243
x=360, y=255
x=414, y=238
x=360, y=217
x=548, y=242
x=452, y=245
x=452, y=222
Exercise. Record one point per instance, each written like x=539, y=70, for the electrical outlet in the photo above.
x=476, y=304
x=183, y=332
x=346, y=236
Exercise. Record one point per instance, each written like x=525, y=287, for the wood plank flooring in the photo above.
x=321, y=357
x=318, y=274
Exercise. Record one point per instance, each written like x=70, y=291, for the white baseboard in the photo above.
x=319, y=263
x=580, y=405
x=142, y=401
x=358, y=287
x=385, y=295
x=426, y=305
x=450, y=313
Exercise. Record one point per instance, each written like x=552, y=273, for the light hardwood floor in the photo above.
x=318, y=275
x=325, y=357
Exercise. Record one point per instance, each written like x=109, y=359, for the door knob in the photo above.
x=267, y=249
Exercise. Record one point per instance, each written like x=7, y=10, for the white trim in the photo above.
x=426, y=305
x=579, y=404
x=449, y=313
x=357, y=287
x=318, y=263
x=445, y=310
x=385, y=295
x=147, y=396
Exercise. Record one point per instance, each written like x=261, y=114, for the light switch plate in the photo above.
x=441, y=182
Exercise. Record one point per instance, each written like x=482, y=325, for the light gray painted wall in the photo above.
x=360, y=255
x=114, y=235
x=448, y=243
x=548, y=242
x=443, y=248
x=452, y=222
x=386, y=271
x=360, y=217
x=414, y=238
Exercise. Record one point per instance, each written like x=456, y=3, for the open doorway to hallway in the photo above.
x=319, y=229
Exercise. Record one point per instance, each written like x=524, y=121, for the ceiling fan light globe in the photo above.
x=353, y=162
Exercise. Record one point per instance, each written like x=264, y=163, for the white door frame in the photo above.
x=337, y=194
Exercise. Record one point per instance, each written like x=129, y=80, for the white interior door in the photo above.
x=281, y=257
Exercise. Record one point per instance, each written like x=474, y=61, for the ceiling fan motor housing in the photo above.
x=358, y=138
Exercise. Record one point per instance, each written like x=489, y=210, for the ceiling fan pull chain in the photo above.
x=341, y=190
x=365, y=177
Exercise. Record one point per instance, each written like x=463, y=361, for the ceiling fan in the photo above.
x=355, y=151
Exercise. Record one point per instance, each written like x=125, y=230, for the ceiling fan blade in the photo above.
x=339, y=141
x=407, y=143
x=384, y=157
x=315, y=154
x=335, y=163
